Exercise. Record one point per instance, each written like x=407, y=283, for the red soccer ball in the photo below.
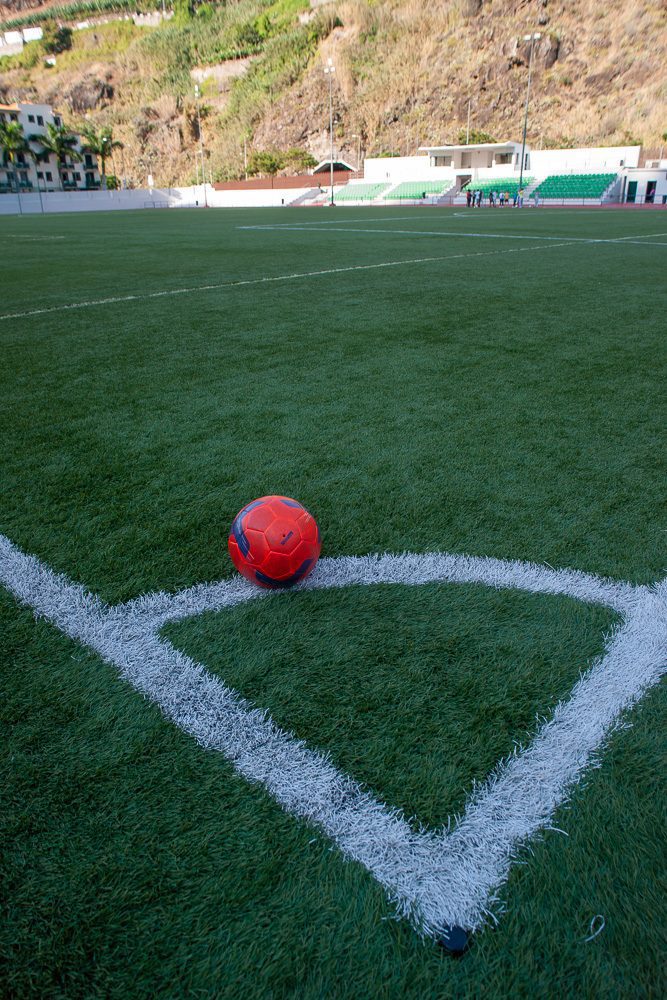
x=274, y=542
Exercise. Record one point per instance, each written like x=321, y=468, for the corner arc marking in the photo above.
x=434, y=879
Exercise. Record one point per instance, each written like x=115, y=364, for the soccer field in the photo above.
x=439, y=740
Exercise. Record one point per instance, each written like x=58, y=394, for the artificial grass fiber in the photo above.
x=498, y=397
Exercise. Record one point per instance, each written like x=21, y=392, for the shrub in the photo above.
x=55, y=38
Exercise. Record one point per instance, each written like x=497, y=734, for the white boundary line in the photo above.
x=435, y=878
x=25, y=236
x=89, y=303
x=483, y=236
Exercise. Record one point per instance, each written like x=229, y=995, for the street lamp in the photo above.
x=532, y=38
x=329, y=70
x=201, y=146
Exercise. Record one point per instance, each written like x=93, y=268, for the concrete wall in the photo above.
x=255, y=199
x=642, y=177
x=599, y=160
x=104, y=201
x=382, y=169
x=100, y=201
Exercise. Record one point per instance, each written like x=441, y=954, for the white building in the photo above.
x=41, y=172
x=482, y=165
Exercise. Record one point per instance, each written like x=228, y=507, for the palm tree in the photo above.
x=13, y=144
x=61, y=143
x=101, y=143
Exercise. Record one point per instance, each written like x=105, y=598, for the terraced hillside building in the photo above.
x=40, y=170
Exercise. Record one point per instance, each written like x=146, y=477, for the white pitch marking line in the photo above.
x=22, y=236
x=434, y=878
x=482, y=236
x=88, y=303
x=328, y=222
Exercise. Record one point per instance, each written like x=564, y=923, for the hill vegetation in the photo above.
x=406, y=74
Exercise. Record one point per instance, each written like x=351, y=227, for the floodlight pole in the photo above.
x=201, y=146
x=330, y=69
x=358, y=138
x=468, y=126
x=532, y=38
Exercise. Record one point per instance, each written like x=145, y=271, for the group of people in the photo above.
x=475, y=199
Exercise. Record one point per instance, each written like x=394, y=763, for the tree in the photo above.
x=13, y=143
x=476, y=136
x=267, y=162
x=60, y=142
x=101, y=143
x=298, y=159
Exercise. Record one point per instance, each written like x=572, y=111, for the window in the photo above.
x=77, y=177
x=40, y=175
x=89, y=160
x=13, y=116
x=90, y=180
x=31, y=118
x=40, y=120
x=65, y=177
x=49, y=175
x=21, y=159
x=442, y=161
x=57, y=120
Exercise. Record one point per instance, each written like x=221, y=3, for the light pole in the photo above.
x=532, y=38
x=358, y=138
x=330, y=69
x=468, y=126
x=201, y=146
x=104, y=140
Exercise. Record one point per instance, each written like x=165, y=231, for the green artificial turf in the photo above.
x=417, y=692
x=496, y=403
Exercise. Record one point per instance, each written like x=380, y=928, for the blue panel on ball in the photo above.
x=291, y=503
x=237, y=528
x=268, y=581
x=240, y=536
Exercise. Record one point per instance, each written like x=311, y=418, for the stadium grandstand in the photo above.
x=575, y=185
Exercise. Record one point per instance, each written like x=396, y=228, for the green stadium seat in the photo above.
x=506, y=185
x=360, y=192
x=416, y=189
x=575, y=185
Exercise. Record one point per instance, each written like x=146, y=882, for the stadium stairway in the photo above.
x=307, y=197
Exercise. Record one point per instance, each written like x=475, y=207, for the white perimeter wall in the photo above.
x=394, y=169
x=597, y=160
x=102, y=201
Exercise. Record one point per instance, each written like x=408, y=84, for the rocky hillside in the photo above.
x=406, y=71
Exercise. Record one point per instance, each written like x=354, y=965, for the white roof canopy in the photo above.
x=507, y=147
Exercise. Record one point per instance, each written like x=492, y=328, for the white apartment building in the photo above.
x=41, y=172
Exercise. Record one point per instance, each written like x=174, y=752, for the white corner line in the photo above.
x=265, y=280
x=435, y=878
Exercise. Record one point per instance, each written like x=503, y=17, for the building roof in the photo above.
x=468, y=147
x=337, y=165
x=9, y=107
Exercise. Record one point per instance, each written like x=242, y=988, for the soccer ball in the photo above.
x=274, y=542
